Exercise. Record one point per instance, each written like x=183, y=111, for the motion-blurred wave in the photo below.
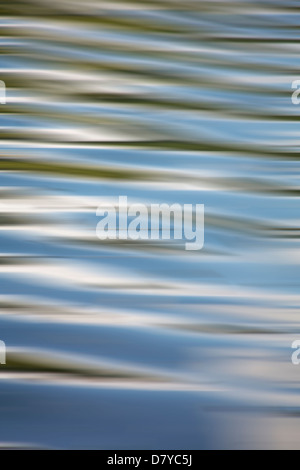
x=127, y=344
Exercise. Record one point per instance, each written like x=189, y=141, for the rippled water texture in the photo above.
x=116, y=345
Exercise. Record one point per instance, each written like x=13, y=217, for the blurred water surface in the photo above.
x=119, y=345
